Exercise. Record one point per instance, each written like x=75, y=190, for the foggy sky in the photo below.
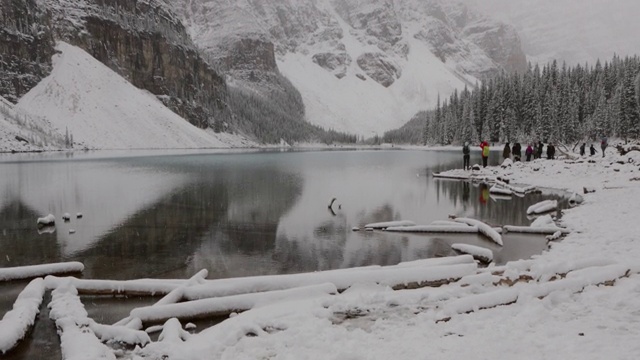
x=571, y=30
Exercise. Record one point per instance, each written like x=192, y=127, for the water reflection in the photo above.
x=236, y=214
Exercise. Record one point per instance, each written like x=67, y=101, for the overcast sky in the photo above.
x=571, y=30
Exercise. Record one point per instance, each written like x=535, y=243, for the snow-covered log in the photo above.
x=500, y=190
x=121, y=334
x=139, y=287
x=16, y=323
x=451, y=176
x=435, y=229
x=555, y=236
x=484, y=229
x=77, y=340
x=535, y=230
x=173, y=297
x=177, y=294
x=33, y=271
x=542, y=207
x=442, y=261
x=220, y=306
x=483, y=255
x=48, y=220
x=384, y=225
x=574, y=282
x=392, y=276
x=447, y=223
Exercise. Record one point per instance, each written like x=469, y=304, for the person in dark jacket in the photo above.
x=551, y=151
x=506, y=152
x=539, y=150
x=582, y=149
x=517, y=152
x=592, y=150
x=466, y=153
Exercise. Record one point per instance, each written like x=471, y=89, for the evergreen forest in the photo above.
x=557, y=104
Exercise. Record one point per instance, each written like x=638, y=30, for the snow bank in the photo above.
x=482, y=254
x=172, y=332
x=483, y=228
x=16, y=323
x=32, y=271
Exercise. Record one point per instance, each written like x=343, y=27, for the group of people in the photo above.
x=592, y=150
x=534, y=150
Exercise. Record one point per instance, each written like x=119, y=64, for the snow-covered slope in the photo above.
x=361, y=66
x=102, y=110
x=22, y=132
x=576, y=31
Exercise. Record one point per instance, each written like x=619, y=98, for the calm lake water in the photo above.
x=170, y=214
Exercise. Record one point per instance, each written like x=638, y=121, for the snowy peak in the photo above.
x=344, y=56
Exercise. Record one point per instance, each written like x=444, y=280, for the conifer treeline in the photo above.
x=552, y=104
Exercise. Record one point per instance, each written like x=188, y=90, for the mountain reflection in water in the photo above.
x=240, y=214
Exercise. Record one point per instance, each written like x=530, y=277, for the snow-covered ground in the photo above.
x=596, y=323
x=101, y=110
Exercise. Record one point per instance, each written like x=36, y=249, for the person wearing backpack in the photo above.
x=485, y=152
x=466, y=155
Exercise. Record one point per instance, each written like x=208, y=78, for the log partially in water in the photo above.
x=34, y=271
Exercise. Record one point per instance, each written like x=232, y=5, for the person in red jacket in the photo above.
x=485, y=152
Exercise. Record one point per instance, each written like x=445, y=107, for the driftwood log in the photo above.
x=624, y=151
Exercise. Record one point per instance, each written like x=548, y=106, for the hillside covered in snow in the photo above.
x=95, y=107
x=360, y=66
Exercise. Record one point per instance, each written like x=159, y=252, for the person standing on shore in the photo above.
x=583, y=149
x=517, y=151
x=529, y=152
x=506, y=152
x=485, y=152
x=466, y=154
x=603, y=144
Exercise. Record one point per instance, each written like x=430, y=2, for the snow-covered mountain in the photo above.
x=361, y=66
x=99, y=109
x=575, y=31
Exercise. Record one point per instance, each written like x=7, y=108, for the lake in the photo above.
x=237, y=213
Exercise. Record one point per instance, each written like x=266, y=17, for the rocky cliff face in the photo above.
x=145, y=43
x=373, y=42
x=26, y=47
x=468, y=41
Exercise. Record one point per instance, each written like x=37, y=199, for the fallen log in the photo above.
x=549, y=230
x=341, y=279
x=34, y=271
x=16, y=323
x=221, y=306
x=483, y=229
x=139, y=287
